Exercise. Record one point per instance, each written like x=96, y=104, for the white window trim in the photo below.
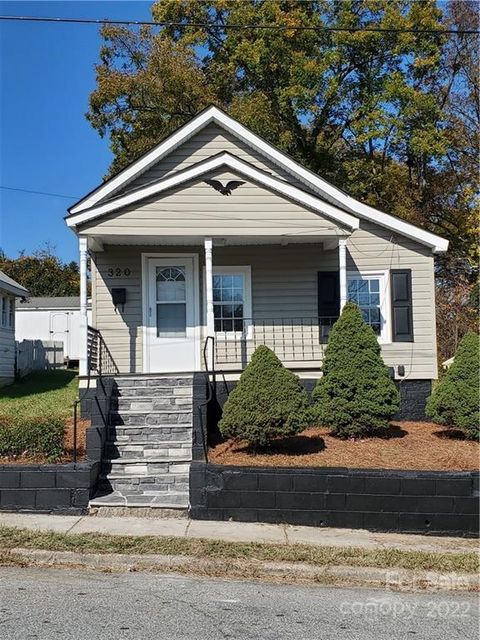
x=246, y=271
x=385, y=336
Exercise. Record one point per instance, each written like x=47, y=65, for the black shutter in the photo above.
x=328, y=294
x=402, y=315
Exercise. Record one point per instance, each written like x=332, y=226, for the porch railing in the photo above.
x=99, y=358
x=293, y=339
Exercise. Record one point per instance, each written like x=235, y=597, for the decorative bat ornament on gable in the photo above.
x=226, y=189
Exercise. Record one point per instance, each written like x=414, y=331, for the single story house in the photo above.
x=55, y=318
x=9, y=290
x=215, y=242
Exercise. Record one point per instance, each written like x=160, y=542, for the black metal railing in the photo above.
x=101, y=364
x=99, y=358
x=293, y=339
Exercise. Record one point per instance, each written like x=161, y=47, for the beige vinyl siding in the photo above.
x=196, y=207
x=210, y=141
x=373, y=248
x=284, y=285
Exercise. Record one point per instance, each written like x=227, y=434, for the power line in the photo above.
x=216, y=25
x=40, y=193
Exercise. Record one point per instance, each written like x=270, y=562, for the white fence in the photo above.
x=38, y=355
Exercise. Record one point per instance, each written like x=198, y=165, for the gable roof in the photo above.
x=223, y=159
x=11, y=286
x=213, y=114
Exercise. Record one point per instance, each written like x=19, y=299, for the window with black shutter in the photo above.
x=328, y=297
x=402, y=312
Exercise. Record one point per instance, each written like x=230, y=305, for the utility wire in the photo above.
x=216, y=25
x=40, y=193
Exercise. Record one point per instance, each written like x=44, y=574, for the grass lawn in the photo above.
x=249, y=551
x=406, y=445
x=41, y=392
x=47, y=394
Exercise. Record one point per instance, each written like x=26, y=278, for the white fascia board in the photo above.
x=356, y=207
x=146, y=161
x=221, y=160
x=213, y=114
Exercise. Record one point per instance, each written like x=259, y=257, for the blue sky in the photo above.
x=46, y=144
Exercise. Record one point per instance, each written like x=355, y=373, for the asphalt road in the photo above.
x=85, y=605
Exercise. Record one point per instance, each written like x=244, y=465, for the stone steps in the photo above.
x=140, y=418
x=148, y=450
x=144, y=403
x=162, y=500
x=151, y=433
x=145, y=484
x=149, y=447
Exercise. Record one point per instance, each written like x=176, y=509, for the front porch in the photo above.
x=160, y=308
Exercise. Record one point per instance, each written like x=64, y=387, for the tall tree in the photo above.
x=388, y=116
x=43, y=273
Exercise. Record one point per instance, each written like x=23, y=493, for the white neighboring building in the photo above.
x=9, y=290
x=51, y=319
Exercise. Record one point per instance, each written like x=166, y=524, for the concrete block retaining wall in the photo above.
x=403, y=501
x=49, y=488
x=413, y=396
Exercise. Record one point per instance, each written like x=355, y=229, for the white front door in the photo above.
x=171, y=315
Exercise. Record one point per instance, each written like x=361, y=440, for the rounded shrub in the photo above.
x=455, y=400
x=267, y=402
x=355, y=396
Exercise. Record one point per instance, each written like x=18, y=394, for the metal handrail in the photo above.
x=211, y=390
x=95, y=348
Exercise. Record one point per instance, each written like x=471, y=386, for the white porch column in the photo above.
x=83, y=365
x=342, y=268
x=209, y=287
x=209, y=291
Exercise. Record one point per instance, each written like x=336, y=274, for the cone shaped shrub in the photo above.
x=355, y=396
x=267, y=402
x=455, y=400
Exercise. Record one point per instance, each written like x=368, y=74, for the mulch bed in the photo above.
x=407, y=445
x=67, y=456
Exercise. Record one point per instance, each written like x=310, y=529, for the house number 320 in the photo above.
x=118, y=273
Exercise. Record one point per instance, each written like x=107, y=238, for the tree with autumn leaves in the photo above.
x=388, y=115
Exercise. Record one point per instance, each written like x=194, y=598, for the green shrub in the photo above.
x=32, y=435
x=455, y=400
x=355, y=396
x=267, y=402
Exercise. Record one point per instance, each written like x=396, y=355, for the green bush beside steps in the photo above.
x=267, y=402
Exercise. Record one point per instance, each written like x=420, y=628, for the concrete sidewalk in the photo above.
x=236, y=532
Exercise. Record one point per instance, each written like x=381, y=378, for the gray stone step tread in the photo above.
x=149, y=443
x=158, y=425
x=168, y=500
x=168, y=381
x=143, y=412
x=105, y=475
x=153, y=460
x=129, y=392
x=159, y=475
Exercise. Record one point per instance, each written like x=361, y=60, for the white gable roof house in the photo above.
x=215, y=242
